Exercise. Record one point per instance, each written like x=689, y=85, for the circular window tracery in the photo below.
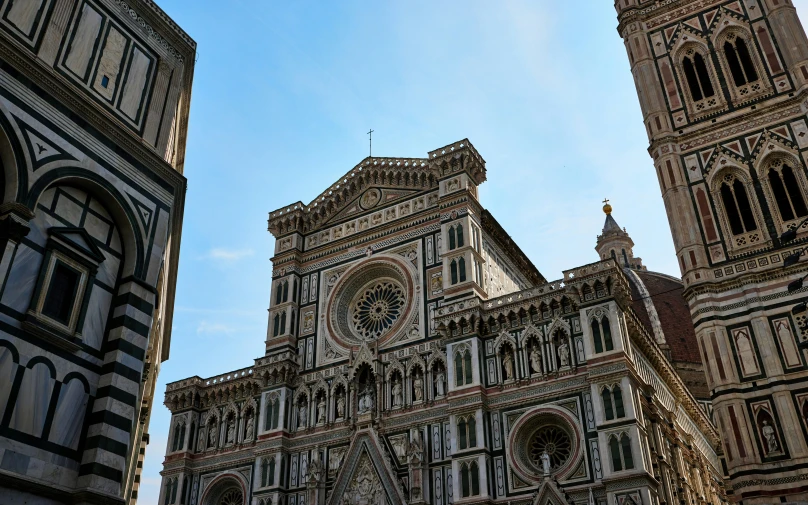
x=231, y=497
x=553, y=440
x=377, y=309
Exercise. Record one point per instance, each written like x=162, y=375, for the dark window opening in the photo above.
x=61, y=293
x=105, y=81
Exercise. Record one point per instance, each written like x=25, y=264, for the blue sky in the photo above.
x=284, y=93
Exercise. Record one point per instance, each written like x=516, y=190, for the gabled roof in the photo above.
x=405, y=173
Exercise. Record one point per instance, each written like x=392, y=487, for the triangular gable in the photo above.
x=372, y=197
x=366, y=475
x=705, y=155
x=549, y=494
x=77, y=239
x=693, y=23
x=709, y=16
x=735, y=147
x=752, y=140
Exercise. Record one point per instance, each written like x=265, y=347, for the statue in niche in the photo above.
x=418, y=385
x=397, y=396
x=248, y=430
x=400, y=446
x=335, y=460
x=315, y=468
x=301, y=415
x=200, y=440
x=366, y=400
x=321, y=410
x=231, y=430
x=507, y=364
x=212, y=435
x=535, y=359
x=771, y=439
x=340, y=405
x=440, y=382
x=564, y=354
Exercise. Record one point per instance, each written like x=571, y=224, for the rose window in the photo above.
x=377, y=309
x=552, y=440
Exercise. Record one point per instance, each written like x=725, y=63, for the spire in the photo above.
x=615, y=242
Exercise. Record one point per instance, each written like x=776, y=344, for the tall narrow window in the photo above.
x=607, y=334
x=464, y=481
x=461, y=267
x=294, y=291
x=462, y=442
x=61, y=293
x=268, y=415
x=264, y=472
x=283, y=322
x=452, y=238
x=617, y=393
x=739, y=61
x=697, y=76
x=614, y=452
x=608, y=411
x=459, y=377
x=787, y=192
x=596, y=336
x=292, y=323
x=460, y=235
x=472, y=427
x=275, y=413
x=453, y=271
x=737, y=206
x=467, y=366
x=278, y=293
x=625, y=445
x=475, y=478
x=271, y=480
x=285, y=291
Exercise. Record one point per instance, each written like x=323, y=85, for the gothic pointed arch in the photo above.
x=366, y=474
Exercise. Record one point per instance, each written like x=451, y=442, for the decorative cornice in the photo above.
x=153, y=33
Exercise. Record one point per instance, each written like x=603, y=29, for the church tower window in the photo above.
x=697, y=76
x=469, y=479
x=276, y=325
x=461, y=267
x=620, y=451
x=452, y=238
x=460, y=235
x=739, y=61
x=453, y=271
x=463, y=375
x=737, y=206
x=264, y=472
x=786, y=190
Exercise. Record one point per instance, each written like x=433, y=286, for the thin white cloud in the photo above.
x=205, y=327
x=229, y=255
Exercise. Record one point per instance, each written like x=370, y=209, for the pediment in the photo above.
x=78, y=240
x=367, y=199
x=549, y=494
x=366, y=477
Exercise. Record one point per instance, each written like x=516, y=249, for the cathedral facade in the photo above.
x=94, y=102
x=415, y=355
x=723, y=88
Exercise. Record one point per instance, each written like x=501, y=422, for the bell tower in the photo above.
x=723, y=88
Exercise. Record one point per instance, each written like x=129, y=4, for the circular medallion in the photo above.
x=376, y=310
x=372, y=301
x=370, y=198
x=547, y=429
x=552, y=440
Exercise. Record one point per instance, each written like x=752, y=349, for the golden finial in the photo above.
x=607, y=209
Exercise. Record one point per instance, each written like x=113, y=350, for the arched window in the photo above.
x=737, y=206
x=625, y=446
x=786, y=192
x=466, y=432
x=467, y=366
x=175, y=484
x=608, y=410
x=474, y=473
x=278, y=293
x=271, y=415
x=452, y=238
x=283, y=322
x=186, y=491
x=271, y=480
x=460, y=235
x=285, y=291
x=292, y=323
x=617, y=394
x=697, y=76
x=276, y=325
x=458, y=369
x=264, y=472
x=607, y=333
x=596, y=336
x=294, y=291
x=464, y=481
x=614, y=451
x=167, y=497
x=453, y=271
x=461, y=267
x=739, y=61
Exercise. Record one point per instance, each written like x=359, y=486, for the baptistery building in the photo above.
x=415, y=355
